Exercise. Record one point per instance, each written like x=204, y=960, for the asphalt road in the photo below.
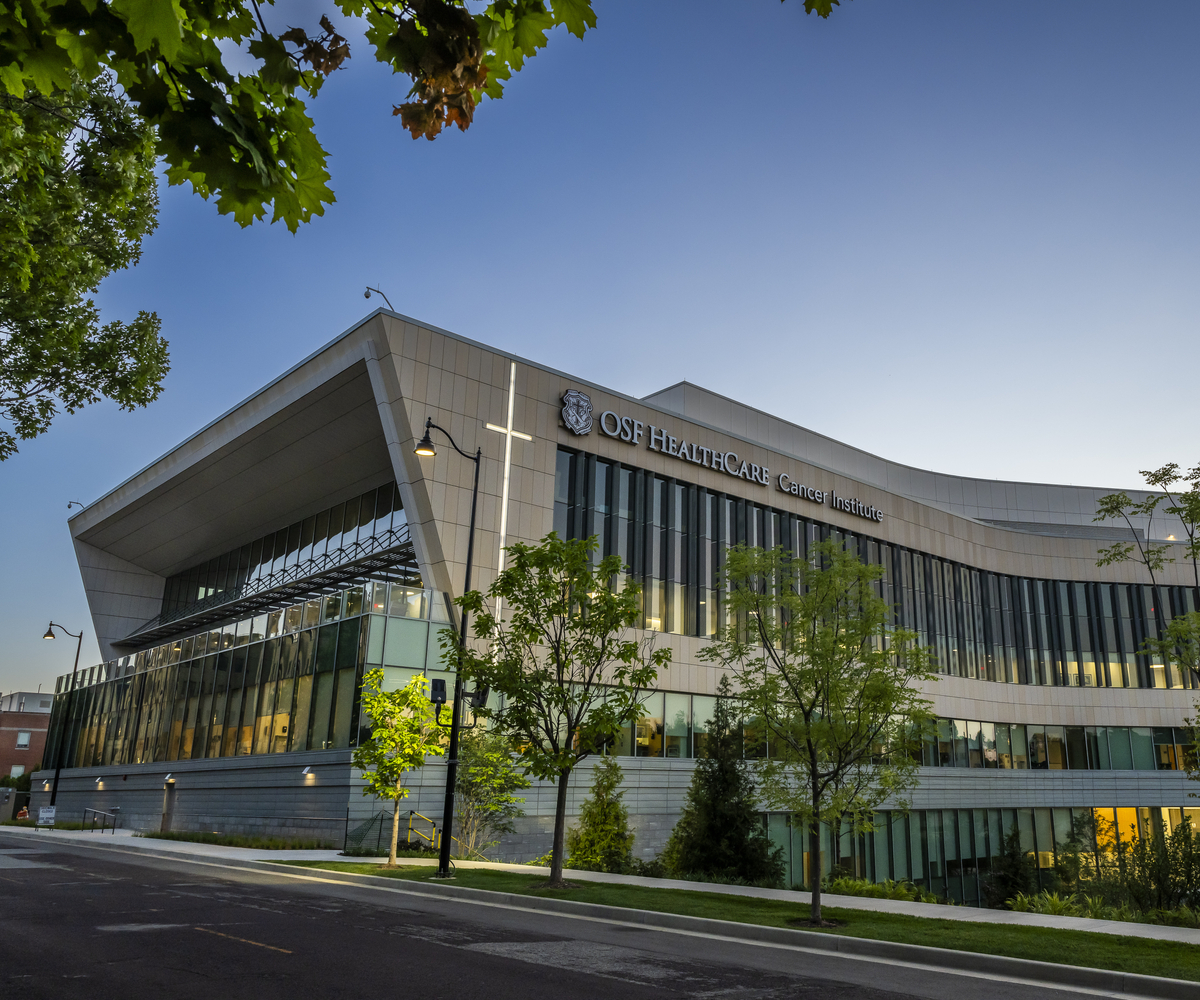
x=83, y=924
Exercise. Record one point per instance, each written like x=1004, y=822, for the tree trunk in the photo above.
x=395, y=828
x=814, y=868
x=560, y=829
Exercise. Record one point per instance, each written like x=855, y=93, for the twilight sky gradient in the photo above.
x=963, y=236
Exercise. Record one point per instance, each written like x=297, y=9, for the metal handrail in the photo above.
x=431, y=838
x=434, y=837
x=103, y=817
x=344, y=559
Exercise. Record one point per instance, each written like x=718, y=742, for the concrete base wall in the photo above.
x=271, y=795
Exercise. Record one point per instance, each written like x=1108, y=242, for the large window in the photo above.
x=340, y=534
x=672, y=537
x=286, y=680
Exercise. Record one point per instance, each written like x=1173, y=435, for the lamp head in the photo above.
x=49, y=631
x=425, y=447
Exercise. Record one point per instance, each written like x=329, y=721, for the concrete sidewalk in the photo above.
x=125, y=840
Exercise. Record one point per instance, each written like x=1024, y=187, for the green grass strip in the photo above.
x=1172, y=959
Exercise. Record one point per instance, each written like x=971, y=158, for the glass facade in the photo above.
x=949, y=851
x=337, y=536
x=285, y=680
x=965, y=743
x=672, y=536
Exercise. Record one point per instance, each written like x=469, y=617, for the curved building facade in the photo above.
x=242, y=583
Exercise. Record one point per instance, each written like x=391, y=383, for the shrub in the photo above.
x=720, y=834
x=1013, y=874
x=875, y=890
x=602, y=842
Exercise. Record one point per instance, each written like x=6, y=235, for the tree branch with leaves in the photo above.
x=562, y=658
x=245, y=137
x=78, y=194
x=484, y=795
x=1184, y=504
x=1153, y=557
x=835, y=686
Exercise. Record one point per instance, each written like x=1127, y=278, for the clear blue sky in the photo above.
x=963, y=236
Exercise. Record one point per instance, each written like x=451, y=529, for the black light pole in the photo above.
x=62, y=738
x=425, y=447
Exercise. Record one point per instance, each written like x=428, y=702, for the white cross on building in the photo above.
x=509, y=434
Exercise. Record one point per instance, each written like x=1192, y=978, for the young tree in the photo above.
x=812, y=647
x=562, y=659
x=78, y=193
x=602, y=842
x=403, y=734
x=720, y=831
x=485, y=803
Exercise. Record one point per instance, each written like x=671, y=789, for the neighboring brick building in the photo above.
x=24, y=719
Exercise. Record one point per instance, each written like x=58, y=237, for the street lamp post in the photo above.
x=62, y=738
x=425, y=447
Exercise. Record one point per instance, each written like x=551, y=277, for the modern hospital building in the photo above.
x=241, y=584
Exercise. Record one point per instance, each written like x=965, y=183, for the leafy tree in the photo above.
x=77, y=196
x=720, y=832
x=562, y=659
x=485, y=805
x=245, y=136
x=817, y=660
x=1013, y=872
x=403, y=734
x=602, y=842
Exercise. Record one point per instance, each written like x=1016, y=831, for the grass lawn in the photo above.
x=1098, y=951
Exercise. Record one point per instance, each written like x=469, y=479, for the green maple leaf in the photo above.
x=153, y=22
x=577, y=15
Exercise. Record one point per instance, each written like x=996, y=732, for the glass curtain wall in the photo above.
x=672, y=535
x=286, y=680
x=339, y=534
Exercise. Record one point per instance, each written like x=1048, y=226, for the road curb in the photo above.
x=944, y=959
